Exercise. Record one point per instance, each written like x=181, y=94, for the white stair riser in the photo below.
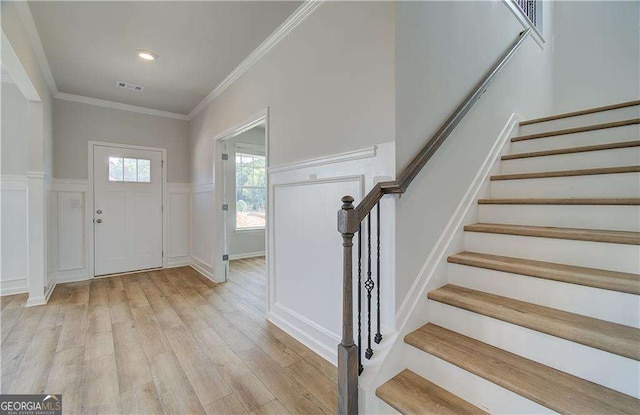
x=620, y=185
x=614, y=257
x=582, y=120
x=473, y=389
x=617, y=307
x=588, y=138
x=610, y=370
x=384, y=409
x=619, y=157
x=606, y=217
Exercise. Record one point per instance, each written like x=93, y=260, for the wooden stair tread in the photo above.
x=604, y=335
x=569, y=201
x=409, y=393
x=593, y=235
x=577, y=129
x=581, y=112
x=554, y=389
x=571, y=150
x=590, y=277
x=567, y=173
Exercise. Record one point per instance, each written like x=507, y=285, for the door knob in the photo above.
x=98, y=211
x=99, y=220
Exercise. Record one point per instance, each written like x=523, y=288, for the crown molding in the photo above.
x=22, y=7
x=280, y=33
x=120, y=106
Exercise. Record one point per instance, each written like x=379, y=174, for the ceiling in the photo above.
x=92, y=45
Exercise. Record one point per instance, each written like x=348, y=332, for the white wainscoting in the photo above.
x=70, y=202
x=14, y=239
x=66, y=231
x=202, y=218
x=305, y=248
x=178, y=204
x=69, y=209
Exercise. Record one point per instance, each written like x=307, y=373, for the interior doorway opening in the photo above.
x=242, y=187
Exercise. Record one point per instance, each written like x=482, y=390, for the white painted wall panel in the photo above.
x=305, y=251
x=178, y=205
x=308, y=249
x=71, y=231
x=202, y=236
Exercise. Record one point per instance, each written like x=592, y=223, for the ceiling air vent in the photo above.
x=127, y=85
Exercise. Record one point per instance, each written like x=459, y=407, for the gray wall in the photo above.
x=14, y=144
x=40, y=156
x=442, y=51
x=596, y=59
x=75, y=124
x=329, y=88
x=328, y=85
x=248, y=241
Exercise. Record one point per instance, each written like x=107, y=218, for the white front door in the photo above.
x=127, y=214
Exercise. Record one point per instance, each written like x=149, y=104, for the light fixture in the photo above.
x=147, y=55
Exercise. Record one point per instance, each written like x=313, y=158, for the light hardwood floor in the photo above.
x=167, y=341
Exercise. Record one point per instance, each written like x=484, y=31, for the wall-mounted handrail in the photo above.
x=420, y=160
x=350, y=219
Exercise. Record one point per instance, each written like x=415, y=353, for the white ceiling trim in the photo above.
x=120, y=106
x=36, y=44
x=280, y=33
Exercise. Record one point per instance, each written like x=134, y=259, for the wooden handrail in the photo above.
x=349, y=223
x=416, y=165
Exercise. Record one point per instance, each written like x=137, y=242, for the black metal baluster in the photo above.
x=378, y=337
x=369, y=286
x=360, y=368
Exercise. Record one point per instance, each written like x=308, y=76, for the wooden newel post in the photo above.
x=347, y=350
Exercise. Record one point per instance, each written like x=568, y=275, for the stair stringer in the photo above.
x=414, y=310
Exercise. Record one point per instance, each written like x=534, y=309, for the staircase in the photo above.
x=541, y=312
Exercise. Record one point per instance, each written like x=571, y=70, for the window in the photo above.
x=250, y=191
x=532, y=10
x=123, y=169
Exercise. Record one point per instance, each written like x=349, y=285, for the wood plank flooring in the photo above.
x=162, y=342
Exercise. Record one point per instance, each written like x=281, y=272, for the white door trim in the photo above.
x=90, y=193
x=250, y=122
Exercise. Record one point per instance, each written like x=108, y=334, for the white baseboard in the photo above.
x=74, y=275
x=202, y=268
x=15, y=286
x=315, y=337
x=32, y=302
x=182, y=261
x=247, y=255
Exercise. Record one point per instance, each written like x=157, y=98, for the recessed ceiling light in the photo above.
x=147, y=55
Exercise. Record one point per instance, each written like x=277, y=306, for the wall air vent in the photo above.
x=127, y=85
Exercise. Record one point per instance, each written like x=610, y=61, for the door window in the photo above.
x=123, y=169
